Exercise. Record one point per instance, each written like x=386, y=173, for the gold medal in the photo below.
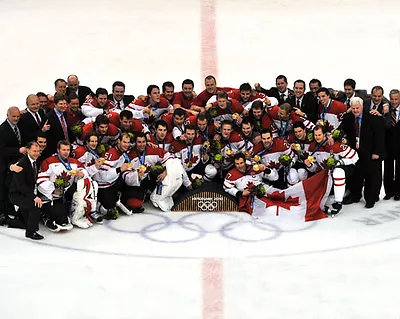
x=72, y=172
x=189, y=164
x=228, y=151
x=297, y=147
x=142, y=168
x=256, y=167
x=311, y=159
x=256, y=158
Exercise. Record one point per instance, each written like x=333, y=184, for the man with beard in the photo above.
x=74, y=113
x=339, y=158
x=249, y=135
x=194, y=157
x=205, y=129
x=186, y=97
x=269, y=151
x=240, y=179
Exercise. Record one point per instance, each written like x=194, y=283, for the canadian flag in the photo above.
x=303, y=201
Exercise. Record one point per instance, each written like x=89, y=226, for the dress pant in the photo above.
x=391, y=176
x=28, y=220
x=367, y=173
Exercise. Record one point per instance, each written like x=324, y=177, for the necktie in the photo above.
x=374, y=107
x=348, y=103
x=34, y=170
x=298, y=103
x=394, y=117
x=37, y=119
x=357, y=126
x=16, y=131
x=64, y=127
x=119, y=104
x=283, y=97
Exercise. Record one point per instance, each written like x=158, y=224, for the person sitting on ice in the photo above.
x=338, y=158
x=152, y=168
x=242, y=181
x=194, y=157
x=63, y=179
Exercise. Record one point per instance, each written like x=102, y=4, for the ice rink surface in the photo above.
x=187, y=265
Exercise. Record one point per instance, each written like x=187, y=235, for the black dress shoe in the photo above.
x=396, y=197
x=369, y=205
x=350, y=200
x=34, y=235
x=387, y=197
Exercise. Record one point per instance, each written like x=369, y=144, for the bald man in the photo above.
x=12, y=150
x=80, y=90
x=31, y=122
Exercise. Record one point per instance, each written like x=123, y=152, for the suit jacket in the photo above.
x=372, y=135
x=55, y=133
x=28, y=127
x=276, y=94
x=360, y=93
x=392, y=137
x=308, y=105
x=23, y=184
x=127, y=99
x=9, y=147
x=83, y=92
x=385, y=117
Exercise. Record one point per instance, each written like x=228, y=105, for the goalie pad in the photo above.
x=84, y=202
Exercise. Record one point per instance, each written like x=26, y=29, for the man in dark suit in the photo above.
x=80, y=90
x=349, y=92
x=57, y=119
x=304, y=105
x=280, y=92
x=30, y=123
x=23, y=191
x=365, y=133
x=118, y=97
x=391, y=172
x=11, y=150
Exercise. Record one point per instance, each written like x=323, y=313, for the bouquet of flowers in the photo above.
x=310, y=136
x=197, y=182
x=258, y=191
x=331, y=162
x=102, y=148
x=337, y=135
x=213, y=111
x=218, y=158
x=157, y=169
x=61, y=183
x=77, y=130
x=285, y=160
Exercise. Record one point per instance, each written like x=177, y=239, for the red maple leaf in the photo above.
x=193, y=161
x=273, y=164
x=64, y=175
x=278, y=199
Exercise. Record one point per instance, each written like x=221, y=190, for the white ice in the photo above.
x=136, y=267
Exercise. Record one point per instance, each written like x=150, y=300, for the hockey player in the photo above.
x=269, y=152
x=107, y=133
x=240, y=180
x=142, y=177
x=330, y=112
x=59, y=178
x=161, y=138
x=339, y=158
x=116, y=161
x=194, y=158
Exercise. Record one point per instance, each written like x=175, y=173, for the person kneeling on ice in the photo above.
x=62, y=180
x=245, y=181
x=165, y=179
x=338, y=158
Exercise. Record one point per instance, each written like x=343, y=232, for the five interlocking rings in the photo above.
x=206, y=206
x=194, y=226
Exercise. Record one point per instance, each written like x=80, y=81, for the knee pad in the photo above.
x=210, y=172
